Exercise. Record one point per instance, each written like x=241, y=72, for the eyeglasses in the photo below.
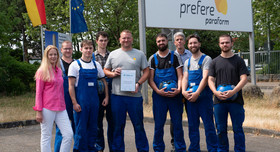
x=67, y=49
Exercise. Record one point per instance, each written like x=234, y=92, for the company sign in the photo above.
x=221, y=15
x=56, y=39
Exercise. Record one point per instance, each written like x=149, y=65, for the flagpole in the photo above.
x=70, y=18
x=42, y=41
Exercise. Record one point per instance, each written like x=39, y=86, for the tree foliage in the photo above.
x=114, y=16
x=16, y=77
x=266, y=18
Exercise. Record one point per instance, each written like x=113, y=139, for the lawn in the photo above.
x=259, y=113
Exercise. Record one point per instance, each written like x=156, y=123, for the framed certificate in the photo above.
x=128, y=80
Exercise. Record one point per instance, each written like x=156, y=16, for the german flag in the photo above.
x=36, y=11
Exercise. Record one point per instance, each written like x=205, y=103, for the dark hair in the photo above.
x=226, y=35
x=86, y=42
x=101, y=33
x=193, y=36
x=161, y=35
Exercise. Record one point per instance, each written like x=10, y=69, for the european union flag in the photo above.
x=78, y=23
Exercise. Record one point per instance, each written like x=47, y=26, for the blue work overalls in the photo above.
x=202, y=107
x=162, y=104
x=69, y=109
x=86, y=119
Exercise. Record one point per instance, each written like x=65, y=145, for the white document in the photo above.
x=128, y=80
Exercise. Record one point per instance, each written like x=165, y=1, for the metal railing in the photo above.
x=266, y=62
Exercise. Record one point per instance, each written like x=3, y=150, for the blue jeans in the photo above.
x=134, y=107
x=237, y=116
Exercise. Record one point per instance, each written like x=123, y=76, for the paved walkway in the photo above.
x=266, y=87
x=27, y=139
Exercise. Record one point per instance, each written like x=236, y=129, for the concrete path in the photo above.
x=266, y=87
x=27, y=139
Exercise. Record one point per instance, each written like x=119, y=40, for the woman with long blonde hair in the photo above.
x=50, y=103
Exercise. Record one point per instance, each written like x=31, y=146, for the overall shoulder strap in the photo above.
x=189, y=62
x=95, y=67
x=94, y=64
x=79, y=63
x=62, y=67
x=172, y=57
x=201, y=60
x=156, y=60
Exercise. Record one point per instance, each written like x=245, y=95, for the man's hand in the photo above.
x=136, y=88
x=117, y=72
x=174, y=92
x=228, y=94
x=187, y=94
x=220, y=95
x=105, y=101
x=162, y=92
x=193, y=96
x=77, y=107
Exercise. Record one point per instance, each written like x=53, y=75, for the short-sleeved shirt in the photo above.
x=66, y=65
x=100, y=59
x=194, y=63
x=126, y=60
x=164, y=61
x=228, y=71
x=186, y=55
x=74, y=69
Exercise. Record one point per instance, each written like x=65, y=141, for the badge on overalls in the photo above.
x=90, y=84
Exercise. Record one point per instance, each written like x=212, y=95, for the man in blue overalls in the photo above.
x=83, y=74
x=65, y=61
x=199, y=96
x=165, y=65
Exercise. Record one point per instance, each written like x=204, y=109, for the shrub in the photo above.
x=15, y=87
x=15, y=76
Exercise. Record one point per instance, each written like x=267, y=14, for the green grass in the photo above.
x=259, y=113
x=17, y=108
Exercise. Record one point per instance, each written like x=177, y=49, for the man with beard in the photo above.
x=165, y=65
x=199, y=96
x=228, y=69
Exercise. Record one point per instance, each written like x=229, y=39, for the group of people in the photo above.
x=68, y=89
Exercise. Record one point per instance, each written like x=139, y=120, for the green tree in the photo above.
x=266, y=18
x=12, y=24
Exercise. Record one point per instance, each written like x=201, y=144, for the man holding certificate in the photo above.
x=165, y=80
x=124, y=65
